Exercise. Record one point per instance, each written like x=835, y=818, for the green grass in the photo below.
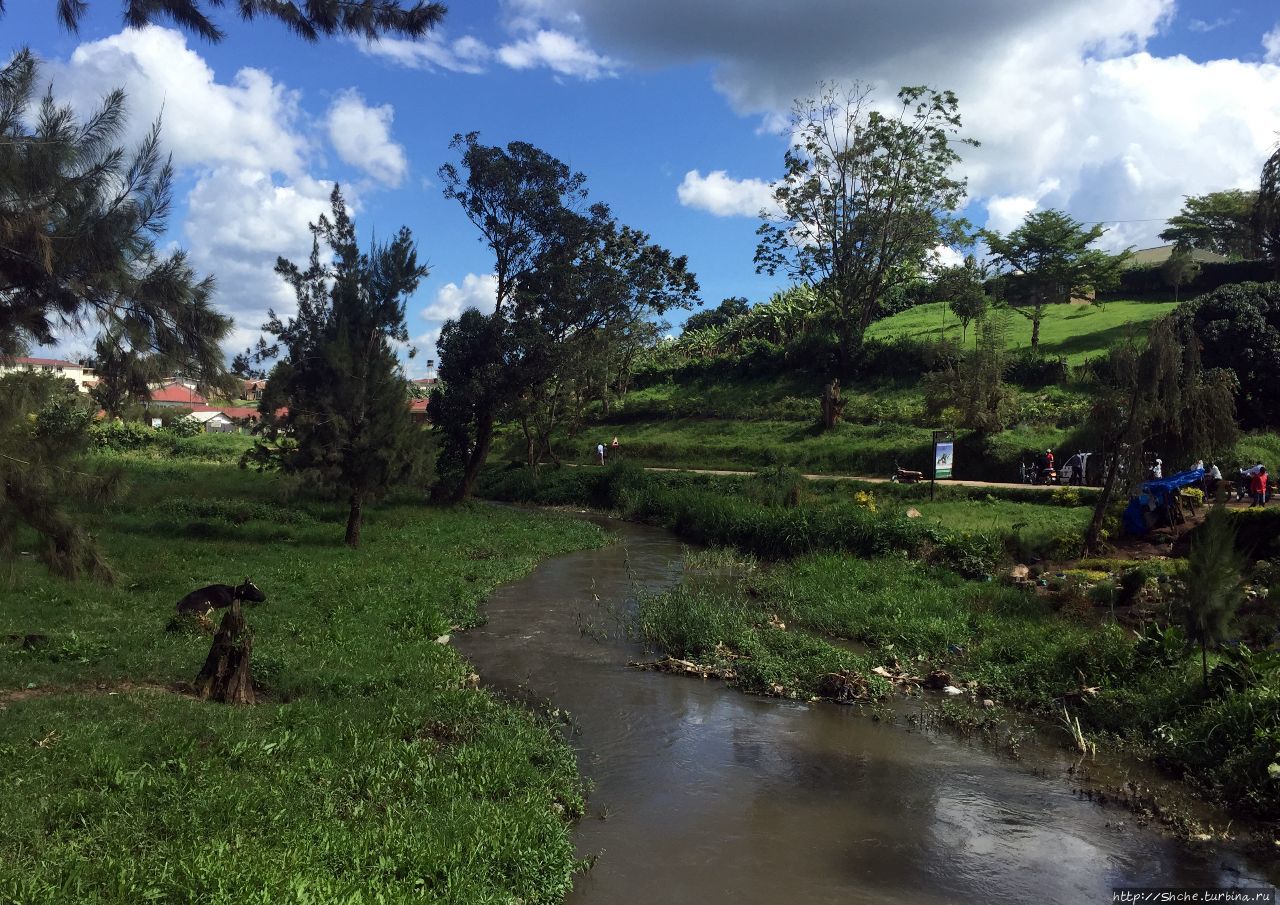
x=372, y=772
x=1074, y=331
x=1019, y=647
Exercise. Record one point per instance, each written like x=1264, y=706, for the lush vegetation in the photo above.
x=774, y=629
x=373, y=771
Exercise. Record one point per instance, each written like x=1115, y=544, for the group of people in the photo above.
x=1253, y=480
x=603, y=452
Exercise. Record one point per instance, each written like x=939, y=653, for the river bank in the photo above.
x=848, y=572
x=699, y=793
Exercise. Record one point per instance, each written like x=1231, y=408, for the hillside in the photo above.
x=733, y=417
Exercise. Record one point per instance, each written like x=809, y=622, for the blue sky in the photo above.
x=1111, y=109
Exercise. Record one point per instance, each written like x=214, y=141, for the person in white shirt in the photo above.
x=600, y=452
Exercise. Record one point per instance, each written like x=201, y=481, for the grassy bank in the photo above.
x=1076, y=332
x=1028, y=650
x=373, y=772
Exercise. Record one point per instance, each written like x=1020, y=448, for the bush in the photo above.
x=1034, y=369
x=122, y=435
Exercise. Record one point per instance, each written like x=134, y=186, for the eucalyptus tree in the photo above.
x=865, y=198
x=564, y=271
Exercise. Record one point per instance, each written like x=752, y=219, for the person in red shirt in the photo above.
x=1258, y=487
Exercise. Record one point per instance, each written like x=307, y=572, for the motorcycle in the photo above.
x=905, y=475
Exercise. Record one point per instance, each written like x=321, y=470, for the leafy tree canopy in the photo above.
x=565, y=270
x=1221, y=222
x=1239, y=330
x=309, y=19
x=865, y=199
x=80, y=219
x=1049, y=259
x=719, y=316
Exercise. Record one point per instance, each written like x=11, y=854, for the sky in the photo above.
x=675, y=111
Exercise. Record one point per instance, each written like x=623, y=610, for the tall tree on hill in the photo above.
x=865, y=199
x=963, y=288
x=338, y=392
x=563, y=269
x=1221, y=222
x=1048, y=260
x=80, y=220
x=309, y=19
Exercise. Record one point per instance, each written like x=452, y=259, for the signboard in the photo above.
x=157, y=423
x=944, y=449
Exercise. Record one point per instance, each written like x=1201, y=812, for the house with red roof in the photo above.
x=178, y=395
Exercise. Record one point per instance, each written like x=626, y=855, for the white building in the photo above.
x=212, y=422
x=83, y=377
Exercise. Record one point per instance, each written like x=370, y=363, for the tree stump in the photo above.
x=832, y=404
x=226, y=675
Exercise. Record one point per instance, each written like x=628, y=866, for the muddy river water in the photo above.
x=704, y=795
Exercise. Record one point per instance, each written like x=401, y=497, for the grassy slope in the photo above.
x=748, y=422
x=1075, y=331
x=372, y=773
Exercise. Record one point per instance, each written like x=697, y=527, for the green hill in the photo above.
x=736, y=414
x=1075, y=331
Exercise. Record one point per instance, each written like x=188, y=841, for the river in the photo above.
x=704, y=795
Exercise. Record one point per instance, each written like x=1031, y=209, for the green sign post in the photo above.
x=944, y=453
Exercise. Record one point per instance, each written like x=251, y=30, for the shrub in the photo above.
x=122, y=435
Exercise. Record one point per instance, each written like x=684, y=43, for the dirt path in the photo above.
x=844, y=477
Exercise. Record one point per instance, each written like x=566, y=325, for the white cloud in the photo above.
x=558, y=52
x=1202, y=26
x=1066, y=91
x=1271, y=45
x=252, y=122
x=466, y=54
x=477, y=291
x=242, y=144
x=724, y=196
x=362, y=137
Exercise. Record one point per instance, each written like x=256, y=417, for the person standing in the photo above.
x=1246, y=480
x=600, y=452
x=1258, y=486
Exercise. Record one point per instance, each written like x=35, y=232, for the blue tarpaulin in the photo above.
x=1156, y=495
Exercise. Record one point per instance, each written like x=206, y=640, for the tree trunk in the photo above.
x=1093, y=536
x=226, y=675
x=479, y=455
x=1204, y=662
x=832, y=404
x=354, y=519
x=1035, y=326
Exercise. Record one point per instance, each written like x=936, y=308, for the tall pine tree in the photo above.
x=337, y=392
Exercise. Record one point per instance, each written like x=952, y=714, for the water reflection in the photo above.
x=711, y=796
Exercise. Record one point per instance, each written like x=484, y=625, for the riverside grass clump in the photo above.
x=1013, y=644
x=371, y=772
x=754, y=515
